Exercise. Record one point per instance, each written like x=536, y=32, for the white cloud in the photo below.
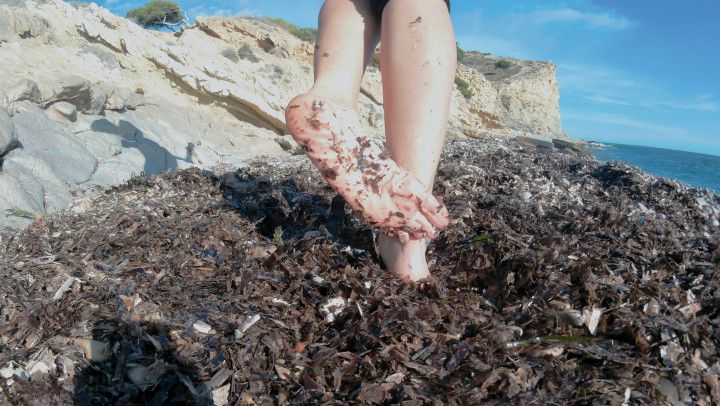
x=707, y=106
x=596, y=98
x=624, y=121
x=608, y=86
x=522, y=30
x=595, y=20
x=599, y=80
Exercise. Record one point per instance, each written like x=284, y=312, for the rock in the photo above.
x=32, y=26
x=19, y=24
x=29, y=185
x=54, y=146
x=245, y=326
x=64, y=288
x=202, y=327
x=95, y=351
x=6, y=32
x=22, y=90
x=220, y=395
x=569, y=146
x=8, y=133
x=534, y=142
x=65, y=110
x=121, y=99
x=71, y=89
x=333, y=307
x=591, y=318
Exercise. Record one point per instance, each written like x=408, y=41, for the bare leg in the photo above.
x=324, y=123
x=418, y=68
x=348, y=33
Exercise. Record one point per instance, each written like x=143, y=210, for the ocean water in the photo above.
x=695, y=169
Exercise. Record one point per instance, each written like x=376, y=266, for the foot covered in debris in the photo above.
x=381, y=193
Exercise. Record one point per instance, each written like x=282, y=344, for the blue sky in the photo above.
x=643, y=72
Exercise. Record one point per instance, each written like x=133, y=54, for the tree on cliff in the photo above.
x=157, y=14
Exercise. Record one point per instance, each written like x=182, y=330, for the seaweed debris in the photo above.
x=561, y=281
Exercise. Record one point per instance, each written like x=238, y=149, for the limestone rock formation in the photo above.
x=8, y=133
x=89, y=99
x=511, y=96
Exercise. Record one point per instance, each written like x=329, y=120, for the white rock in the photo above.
x=220, y=395
x=333, y=307
x=65, y=110
x=202, y=327
x=96, y=351
x=651, y=308
x=66, y=286
x=37, y=367
x=245, y=326
x=8, y=371
x=8, y=133
x=591, y=318
x=279, y=301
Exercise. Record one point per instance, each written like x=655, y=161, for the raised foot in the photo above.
x=381, y=193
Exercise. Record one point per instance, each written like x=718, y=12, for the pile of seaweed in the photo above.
x=561, y=280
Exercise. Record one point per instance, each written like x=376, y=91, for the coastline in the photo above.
x=693, y=168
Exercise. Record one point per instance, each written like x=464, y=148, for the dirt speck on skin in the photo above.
x=560, y=281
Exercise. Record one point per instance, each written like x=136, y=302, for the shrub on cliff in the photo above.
x=157, y=14
x=460, y=54
x=503, y=64
x=305, y=34
x=464, y=87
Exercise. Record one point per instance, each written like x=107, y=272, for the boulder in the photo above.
x=30, y=170
x=65, y=110
x=53, y=145
x=31, y=25
x=19, y=24
x=534, y=142
x=71, y=89
x=120, y=99
x=25, y=192
x=22, y=90
x=564, y=145
x=6, y=31
x=8, y=133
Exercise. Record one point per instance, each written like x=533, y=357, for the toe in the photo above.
x=434, y=210
x=426, y=229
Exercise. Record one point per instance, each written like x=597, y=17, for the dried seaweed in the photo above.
x=561, y=280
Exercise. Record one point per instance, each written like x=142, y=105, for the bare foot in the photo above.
x=381, y=193
x=406, y=260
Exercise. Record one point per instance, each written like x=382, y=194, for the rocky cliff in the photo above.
x=89, y=99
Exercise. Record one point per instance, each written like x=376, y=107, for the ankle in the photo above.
x=410, y=249
x=325, y=93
